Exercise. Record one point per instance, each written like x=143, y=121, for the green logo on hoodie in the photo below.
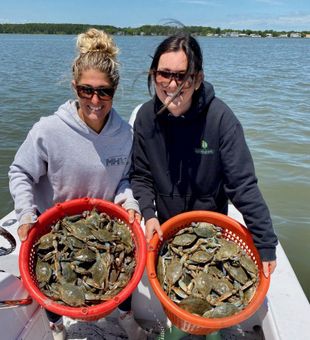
x=204, y=145
x=204, y=149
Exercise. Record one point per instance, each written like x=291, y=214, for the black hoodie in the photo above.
x=198, y=161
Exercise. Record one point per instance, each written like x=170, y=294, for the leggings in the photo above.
x=52, y=317
x=124, y=307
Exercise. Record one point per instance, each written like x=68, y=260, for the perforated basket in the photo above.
x=43, y=226
x=232, y=230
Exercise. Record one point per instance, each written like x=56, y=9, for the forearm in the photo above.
x=123, y=194
x=24, y=173
x=141, y=178
x=242, y=189
x=21, y=188
x=124, y=197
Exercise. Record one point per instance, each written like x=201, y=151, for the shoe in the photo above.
x=59, y=331
x=131, y=327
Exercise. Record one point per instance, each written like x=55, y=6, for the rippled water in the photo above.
x=265, y=81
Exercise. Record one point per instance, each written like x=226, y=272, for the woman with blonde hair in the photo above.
x=83, y=149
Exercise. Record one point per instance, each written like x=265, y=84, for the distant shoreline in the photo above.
x=146, y=30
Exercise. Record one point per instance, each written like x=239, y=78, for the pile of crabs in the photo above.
x=84, y=259
x=205, y=273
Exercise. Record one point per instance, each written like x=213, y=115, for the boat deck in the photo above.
x=284, y=315
x=108, y=329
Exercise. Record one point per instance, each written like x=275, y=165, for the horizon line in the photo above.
x=161, y=25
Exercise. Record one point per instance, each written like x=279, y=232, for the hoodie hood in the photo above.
x=68, y=113
x=201, y=99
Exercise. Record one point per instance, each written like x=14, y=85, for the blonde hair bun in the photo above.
x=95, y=40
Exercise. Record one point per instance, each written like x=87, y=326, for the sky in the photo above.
x=277, y=15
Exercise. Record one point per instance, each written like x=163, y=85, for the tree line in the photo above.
x=46, y=28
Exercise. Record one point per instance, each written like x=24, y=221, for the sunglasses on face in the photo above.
x=164, y=78
x=87, y=92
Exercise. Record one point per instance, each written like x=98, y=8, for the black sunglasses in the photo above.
x=164, y=78
x=87, y=92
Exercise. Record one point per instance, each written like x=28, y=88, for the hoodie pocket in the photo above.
x=205, y=202
x=169, y=206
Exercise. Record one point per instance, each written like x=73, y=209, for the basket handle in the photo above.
x=15, y=303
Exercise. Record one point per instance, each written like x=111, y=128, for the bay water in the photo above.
x=266, y=82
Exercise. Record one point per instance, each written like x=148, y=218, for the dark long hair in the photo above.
x=181, y=41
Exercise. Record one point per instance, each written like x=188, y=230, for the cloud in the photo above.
x=270, y=2
x=292, y=22
x=199, y=2
x=301, y=19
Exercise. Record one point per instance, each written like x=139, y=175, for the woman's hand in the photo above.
x=152, y=225
x=269, y=267
x=133, y=215
x=23, y=231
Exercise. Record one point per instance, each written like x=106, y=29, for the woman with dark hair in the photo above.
x=189, y=150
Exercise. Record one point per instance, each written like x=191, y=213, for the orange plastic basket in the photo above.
x=232, y=230
x=43, y=226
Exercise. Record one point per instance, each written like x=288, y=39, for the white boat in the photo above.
x=284, y=315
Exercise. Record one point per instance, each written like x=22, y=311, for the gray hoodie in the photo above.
x=62, y=159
